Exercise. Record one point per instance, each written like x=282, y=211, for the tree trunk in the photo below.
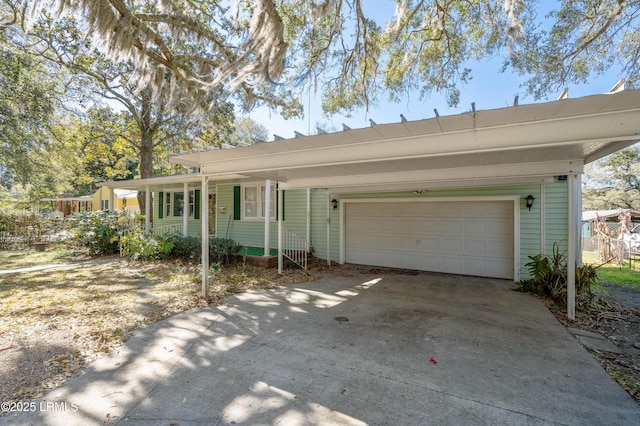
x=146, y=145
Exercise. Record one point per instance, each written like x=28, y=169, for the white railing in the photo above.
x=175, y=228
x=295, y=248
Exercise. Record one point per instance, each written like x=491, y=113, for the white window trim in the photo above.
x=187, y=204
x=260, y=201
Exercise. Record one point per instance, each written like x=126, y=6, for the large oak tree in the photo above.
x=357, y=50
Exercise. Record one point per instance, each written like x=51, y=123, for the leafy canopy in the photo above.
x=261, y=51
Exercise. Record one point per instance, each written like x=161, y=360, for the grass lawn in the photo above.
x=53, y=321
x=256, y=251
x=612, y=273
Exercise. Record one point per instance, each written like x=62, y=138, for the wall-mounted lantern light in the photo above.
x=529, y=200
x=334, y=204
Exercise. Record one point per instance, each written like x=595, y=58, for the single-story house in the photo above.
x=102, y=199
x=474, y=193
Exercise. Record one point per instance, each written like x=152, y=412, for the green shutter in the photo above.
x=160, y=205
x=196, y=204
x=278, y=205
x=236, y=203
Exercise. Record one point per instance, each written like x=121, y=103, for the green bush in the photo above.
x=99, y=232
x=223, y=250
x=139, y=246
x=188, y=249
x=549, y=277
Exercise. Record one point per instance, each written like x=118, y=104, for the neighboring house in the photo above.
x=117, y=199
x=619, y=240
x=473, y=194
x=610, y=217
x=103, y=199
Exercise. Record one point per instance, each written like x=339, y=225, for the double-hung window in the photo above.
x=174, y=204
x=254, y=202
x=178, y=204
x=167, y=204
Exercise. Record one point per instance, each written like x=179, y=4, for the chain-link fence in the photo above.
x=609, y=249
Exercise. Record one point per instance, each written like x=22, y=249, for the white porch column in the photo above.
x=205, y=235
x=573, y=244
x=147, y=209
x=280, y=247
x=185, y=210
x=308, y=219
x=267, y=217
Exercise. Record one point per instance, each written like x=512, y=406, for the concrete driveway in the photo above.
x=351, y=349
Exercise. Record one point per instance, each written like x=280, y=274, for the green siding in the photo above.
x=251, y=232
x=319, y=225
x=194, y=226
x=556, y=216
x=530, y=223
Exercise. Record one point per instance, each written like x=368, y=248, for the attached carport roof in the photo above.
x=524, y=143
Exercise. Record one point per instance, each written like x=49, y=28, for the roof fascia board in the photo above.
x=615, y=126
x=505, y=171
x=167, y=180
x=426, y=186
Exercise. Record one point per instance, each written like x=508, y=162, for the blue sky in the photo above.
x=489, y=89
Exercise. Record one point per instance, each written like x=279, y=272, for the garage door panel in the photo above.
x=475, y=227
x=474, y=238
x=498, y=249
x=394, y=225
x=474, y=246
x=450, y=263
x=428, y=226
x=451, y=226
x=449, y=245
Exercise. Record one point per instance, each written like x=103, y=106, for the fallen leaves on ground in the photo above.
x=55, y=321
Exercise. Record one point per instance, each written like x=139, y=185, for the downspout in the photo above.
x=267, y=218
x=328, y=229
x=204, y=206
x=185, y=210
x=280, y=248
x=308, y=219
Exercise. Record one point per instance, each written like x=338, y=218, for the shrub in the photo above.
x=139, y=246
x=99, y=232
x=188, y=249
x=223, y=250
x=549, y=277
x=20, y=229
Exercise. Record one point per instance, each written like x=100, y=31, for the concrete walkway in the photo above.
x=362, y=349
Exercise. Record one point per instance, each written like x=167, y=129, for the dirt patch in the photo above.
x=57, y=320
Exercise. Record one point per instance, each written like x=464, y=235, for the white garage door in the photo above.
x=459, y=237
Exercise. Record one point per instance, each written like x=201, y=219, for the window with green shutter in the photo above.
x=236, y=203
x=197, y=204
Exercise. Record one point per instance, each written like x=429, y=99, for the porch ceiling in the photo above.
x=527, y=142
